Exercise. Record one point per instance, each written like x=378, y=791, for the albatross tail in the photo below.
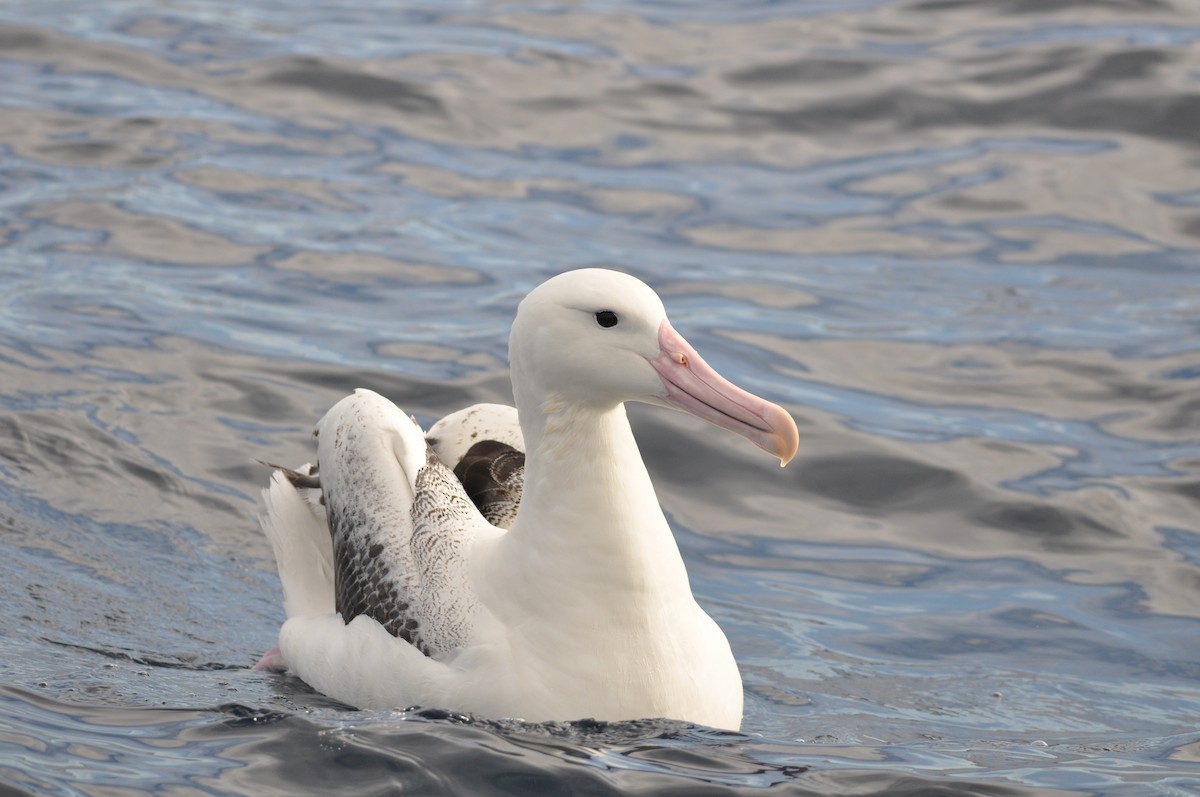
x=299, y=535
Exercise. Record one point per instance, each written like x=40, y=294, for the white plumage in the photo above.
x=398, y=592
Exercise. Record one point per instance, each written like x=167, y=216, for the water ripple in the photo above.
x=958, y=240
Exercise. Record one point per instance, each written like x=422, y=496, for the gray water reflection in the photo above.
x=959, y=240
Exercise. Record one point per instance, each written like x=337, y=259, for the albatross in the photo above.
x=515, y=562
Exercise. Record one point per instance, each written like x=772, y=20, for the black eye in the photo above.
x=606, y=318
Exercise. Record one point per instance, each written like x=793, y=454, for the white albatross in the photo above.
x=399, y=592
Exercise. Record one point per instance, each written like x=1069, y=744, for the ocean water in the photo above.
x=958, y=239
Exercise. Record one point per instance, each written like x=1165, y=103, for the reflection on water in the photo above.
x=959, y=240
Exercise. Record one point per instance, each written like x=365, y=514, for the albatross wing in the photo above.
x=386, y=579
x=484, y=447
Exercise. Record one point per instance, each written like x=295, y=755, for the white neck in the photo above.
x=589, y=517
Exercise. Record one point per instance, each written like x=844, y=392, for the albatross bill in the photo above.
x=693, y=386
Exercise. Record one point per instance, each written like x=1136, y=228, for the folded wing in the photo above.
x=402, y=526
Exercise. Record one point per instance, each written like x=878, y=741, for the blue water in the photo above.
x=960, y=241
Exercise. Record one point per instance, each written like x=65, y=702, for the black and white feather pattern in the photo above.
x=400, y=541
x=493, y=475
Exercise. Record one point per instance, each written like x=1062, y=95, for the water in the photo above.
x=960, y=240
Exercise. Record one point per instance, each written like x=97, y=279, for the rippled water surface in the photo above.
x=959, y=240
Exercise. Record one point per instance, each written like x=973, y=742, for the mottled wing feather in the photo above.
x=484, y=446
x=453, y=435
x=445, y=602
x=369, y=574
x=402, y=522
x=493, y=475
x=401, y=525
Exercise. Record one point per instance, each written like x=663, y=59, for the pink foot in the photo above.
x=272, y=661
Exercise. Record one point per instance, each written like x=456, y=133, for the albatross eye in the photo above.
x=606, y=318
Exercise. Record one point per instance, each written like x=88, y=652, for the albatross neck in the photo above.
x=587, y=495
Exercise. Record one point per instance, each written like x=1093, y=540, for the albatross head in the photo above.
x=597, y=338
